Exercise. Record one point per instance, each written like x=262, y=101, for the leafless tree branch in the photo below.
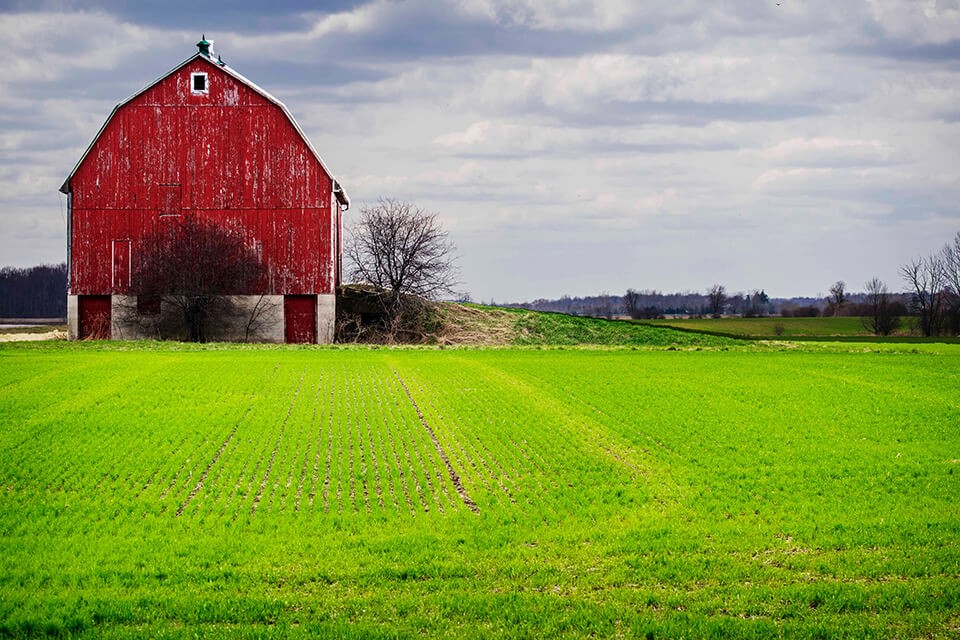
x=193, y=266
x=401, y=250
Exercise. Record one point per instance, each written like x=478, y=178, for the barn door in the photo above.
x=121, y=266
x=300, y=319
x=93, y=317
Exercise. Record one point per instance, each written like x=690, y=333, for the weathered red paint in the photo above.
x=93, y=317
x=233, y=155
x=300, y=319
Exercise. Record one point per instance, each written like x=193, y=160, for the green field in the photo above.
x=166, y=490
x=775, y=327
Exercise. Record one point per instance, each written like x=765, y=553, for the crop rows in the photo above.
x=518, y=446
x=332, y=441
x=311, y=437
x=310, y=492
x=301, y=439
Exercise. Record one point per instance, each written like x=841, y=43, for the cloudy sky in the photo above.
x=569, y=146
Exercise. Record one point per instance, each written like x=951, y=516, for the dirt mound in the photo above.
x=467, y=324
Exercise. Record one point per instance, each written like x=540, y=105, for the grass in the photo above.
x=479, y=324
x=775, y=327
x=169, y=490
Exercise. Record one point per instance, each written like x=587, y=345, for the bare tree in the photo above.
x=757, y=304
x=925, y=277
x=631, y=303
x=950, y=254
x=716, y=300
x=838, y=297
x=950, y=259
x=195, y=267
x=737, y=304
x=402, y=251
x=604, y=306
x=881, y=320
x=258, y=317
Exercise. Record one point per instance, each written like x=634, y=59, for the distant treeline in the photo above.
x=34, y=292
x=932, y=299
x=649, y=304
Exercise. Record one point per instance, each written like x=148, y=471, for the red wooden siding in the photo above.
x=93, y=321
x=121, y=265
x=230, y=155
x=300, y=319
x=169, y=200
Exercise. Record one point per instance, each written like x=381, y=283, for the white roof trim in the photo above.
x=337, y=189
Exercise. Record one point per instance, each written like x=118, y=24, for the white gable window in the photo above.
x=198, y=83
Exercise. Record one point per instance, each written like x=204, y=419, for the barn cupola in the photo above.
x=205, y=46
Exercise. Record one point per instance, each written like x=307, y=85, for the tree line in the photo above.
x=931, y=300
x=881, y=310
x=34, y=292
x=933, y=283
x=649, y=304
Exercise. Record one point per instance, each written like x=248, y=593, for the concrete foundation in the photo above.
x=244, y=319
x=73, y=318
x=326, y=318
x=258, y=319
x=248, y=319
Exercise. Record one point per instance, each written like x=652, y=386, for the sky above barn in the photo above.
x=569, y=146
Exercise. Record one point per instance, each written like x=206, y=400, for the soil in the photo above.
x=56, y=334
x=454, y=476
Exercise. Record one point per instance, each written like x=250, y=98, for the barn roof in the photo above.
x=337, y=189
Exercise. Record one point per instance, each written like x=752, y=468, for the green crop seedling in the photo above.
x=163, y=490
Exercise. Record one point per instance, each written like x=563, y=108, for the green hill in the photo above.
x=468, y=324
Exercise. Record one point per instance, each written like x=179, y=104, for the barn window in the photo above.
x=198, y=83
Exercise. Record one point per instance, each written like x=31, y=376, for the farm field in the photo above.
x=166, y=490
x=823, y=327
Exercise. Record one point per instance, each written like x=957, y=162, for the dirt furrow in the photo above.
x=276, y=447
x=373, y=455
x=338, y=462
x=454, y=476
x=360, y=407
x=396, y=455
x=456, y=460
x=326, y=479
x=206, y=471
x=351, y=481
x=156, y=471
x=306, y=454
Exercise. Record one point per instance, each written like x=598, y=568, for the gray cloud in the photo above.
x=247, y=16
x=569, y=147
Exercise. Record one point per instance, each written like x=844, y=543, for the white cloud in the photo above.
x=622, y=133
x=43, y=47
x=919, y=21
x=829, y=151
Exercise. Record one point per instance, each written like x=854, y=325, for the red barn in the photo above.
x=204, y=141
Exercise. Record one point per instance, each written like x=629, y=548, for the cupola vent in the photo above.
x=205, y=46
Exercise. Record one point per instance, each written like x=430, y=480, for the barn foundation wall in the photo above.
x=258, y=319
x=326, y=318
x=73, y=317
x=122, y=324
x=253, y=318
